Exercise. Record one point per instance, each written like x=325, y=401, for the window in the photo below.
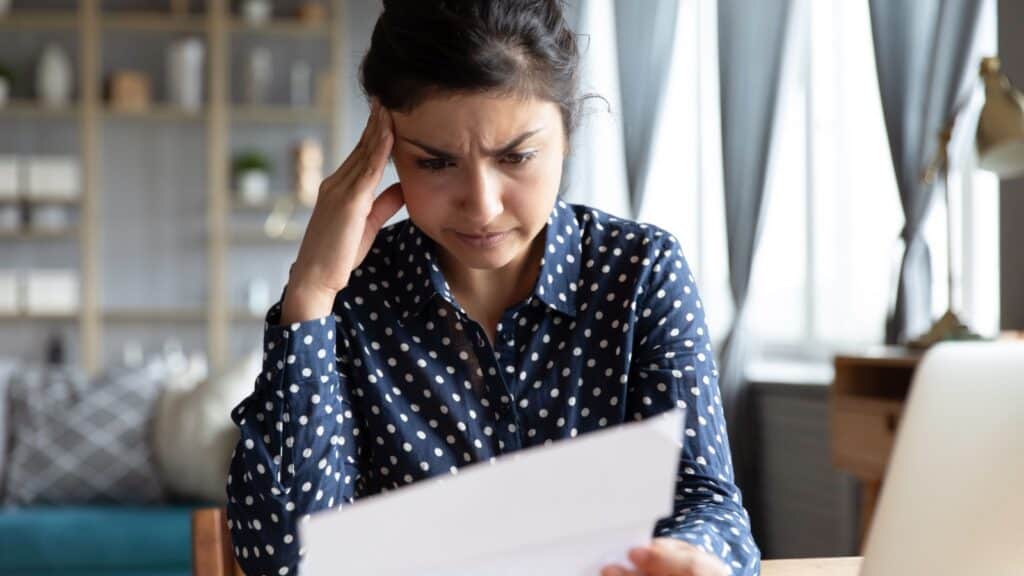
x=826, y=270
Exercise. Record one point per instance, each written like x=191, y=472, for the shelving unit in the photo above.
x=218, y=119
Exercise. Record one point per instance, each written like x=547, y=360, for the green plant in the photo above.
x=251, y=161
x=6, y=74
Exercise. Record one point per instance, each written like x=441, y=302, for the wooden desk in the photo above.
x=812, y=567
x=866, y=403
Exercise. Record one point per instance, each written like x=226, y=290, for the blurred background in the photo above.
x=843, y=176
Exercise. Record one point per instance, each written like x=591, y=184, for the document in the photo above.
x=566, y=509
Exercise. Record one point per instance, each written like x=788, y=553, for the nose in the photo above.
x=481, y=202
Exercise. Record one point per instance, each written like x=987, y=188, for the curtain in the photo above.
x=924, y=51
x=646, y=39
x=595, y=171
x=626, y=53
x=751, y=41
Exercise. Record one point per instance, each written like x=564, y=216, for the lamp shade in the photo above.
x=1000, y=135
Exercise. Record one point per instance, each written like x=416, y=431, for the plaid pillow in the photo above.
x=75, y=442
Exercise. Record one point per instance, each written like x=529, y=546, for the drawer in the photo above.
x=863, y=433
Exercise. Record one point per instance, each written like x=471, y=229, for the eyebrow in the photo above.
x=503, y=150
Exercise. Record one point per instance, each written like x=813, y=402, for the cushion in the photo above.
x=75, y=441
x=194, y=435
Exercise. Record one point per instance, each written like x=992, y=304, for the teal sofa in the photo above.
x=96, y=540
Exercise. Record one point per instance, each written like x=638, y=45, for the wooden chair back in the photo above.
x=212, y=553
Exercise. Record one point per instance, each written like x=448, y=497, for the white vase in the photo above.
x=253, y=187
x=256, y=11
x=258, y=76
x=185, y=74
x=53, y=77
x=301, y=84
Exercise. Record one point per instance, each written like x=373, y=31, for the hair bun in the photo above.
x=522, y=47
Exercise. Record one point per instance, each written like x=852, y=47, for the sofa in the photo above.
x=100, y=475
x=96, y=540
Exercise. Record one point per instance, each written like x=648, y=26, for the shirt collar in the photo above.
x=418, y=276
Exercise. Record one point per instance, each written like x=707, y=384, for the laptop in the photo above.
x=952, y=501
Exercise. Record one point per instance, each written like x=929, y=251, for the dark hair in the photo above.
x=512, y=47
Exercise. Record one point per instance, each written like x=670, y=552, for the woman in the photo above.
x=496, y=318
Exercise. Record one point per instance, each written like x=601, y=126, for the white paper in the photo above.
x=567, y=509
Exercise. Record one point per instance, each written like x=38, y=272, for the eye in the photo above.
x=434, y=164
x=517, y=158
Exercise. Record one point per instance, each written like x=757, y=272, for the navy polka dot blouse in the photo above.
x=399, y=384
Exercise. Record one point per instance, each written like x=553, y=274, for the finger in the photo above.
x=360, y=164
x=376, y=156
x=662, y=561
x=672, y=544
x=371, y=122
x=669, y=559
x=355, y=157
x=383, y=139
x=386, y=205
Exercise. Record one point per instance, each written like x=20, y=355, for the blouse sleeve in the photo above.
x=672, y=365
x=299, y=449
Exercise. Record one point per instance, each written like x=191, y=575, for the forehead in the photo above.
x=477, y=118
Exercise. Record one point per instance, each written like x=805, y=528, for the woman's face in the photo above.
x=480, y=173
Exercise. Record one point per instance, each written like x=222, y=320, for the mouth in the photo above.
x=487, y=240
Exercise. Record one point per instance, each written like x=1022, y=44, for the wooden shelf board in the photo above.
x=155, y=315
x=31, y=316
x=278, y=114
x=39, y=234
x=153, y=21
x=33, y=200
x=39, y=19
x=34, y=109
x=281, y=27
x=162, y=112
